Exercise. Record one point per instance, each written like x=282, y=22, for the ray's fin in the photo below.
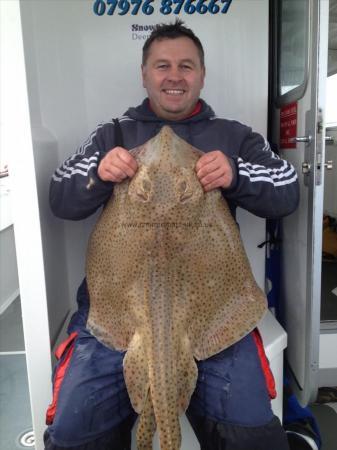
x=136, y=377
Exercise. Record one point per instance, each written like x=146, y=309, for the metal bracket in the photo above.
x=328, y=165
x=329, y=140
x=306, y=139
x=306, y=167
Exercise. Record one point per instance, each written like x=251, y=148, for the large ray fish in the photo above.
x=169, y=282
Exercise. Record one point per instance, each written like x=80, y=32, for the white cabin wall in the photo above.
x=16, y=139
x=45, y=152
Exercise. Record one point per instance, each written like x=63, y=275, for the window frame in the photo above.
x=298, y=92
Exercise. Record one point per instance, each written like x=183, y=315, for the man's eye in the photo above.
x=186, y=67
x=162, y=66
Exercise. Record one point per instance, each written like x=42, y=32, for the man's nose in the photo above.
x=174, y=74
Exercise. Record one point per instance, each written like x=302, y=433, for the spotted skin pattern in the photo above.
x=169, y=281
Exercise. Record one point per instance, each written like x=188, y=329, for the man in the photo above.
x=230, y=408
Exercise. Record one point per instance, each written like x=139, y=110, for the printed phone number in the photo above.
x=122, y=7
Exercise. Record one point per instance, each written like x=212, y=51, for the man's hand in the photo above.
x=214, y=170
x=117, y=165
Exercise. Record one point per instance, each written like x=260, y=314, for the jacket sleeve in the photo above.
x=266, y=185
x=76, y=191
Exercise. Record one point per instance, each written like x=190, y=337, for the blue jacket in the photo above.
x=263, y=183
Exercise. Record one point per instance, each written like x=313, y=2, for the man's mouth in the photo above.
x=174, y=91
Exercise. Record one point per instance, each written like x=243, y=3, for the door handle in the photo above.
x=329, y=140
x=306, y=139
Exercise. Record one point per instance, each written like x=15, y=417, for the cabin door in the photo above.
x=297, y=108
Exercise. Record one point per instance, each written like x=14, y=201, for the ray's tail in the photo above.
x=162, y=357
x=164, y=396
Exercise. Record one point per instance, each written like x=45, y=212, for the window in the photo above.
x=292, y=51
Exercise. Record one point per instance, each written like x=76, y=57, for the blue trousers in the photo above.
x=229, y=409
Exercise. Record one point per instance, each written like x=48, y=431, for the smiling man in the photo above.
x=230, y=408
x=173, y=75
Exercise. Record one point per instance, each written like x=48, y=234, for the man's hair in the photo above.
x=172, y=31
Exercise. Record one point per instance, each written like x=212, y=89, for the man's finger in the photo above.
x=111, y=168
x=217, y=183
x=122, y=165
x=205, y=159
x=111, y=173
x=208, y=168
x=128, y=159
x=212, y=176
x=117, y=165
x=117, y=173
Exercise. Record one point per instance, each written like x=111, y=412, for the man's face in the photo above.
x=173, y=77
